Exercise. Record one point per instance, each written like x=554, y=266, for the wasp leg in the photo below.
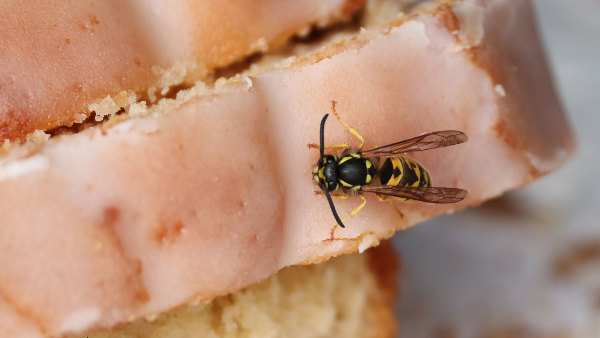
x=335, y=146
x=352, y=130
x=354, y=212
x=382, y=198
x=342, y=197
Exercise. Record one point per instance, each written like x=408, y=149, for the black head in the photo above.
x=326, y=173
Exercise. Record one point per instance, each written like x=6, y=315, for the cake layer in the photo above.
x=57, y=59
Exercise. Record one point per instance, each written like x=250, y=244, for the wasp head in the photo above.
x=326, y=172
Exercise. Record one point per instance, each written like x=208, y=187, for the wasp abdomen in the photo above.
x=403, y=172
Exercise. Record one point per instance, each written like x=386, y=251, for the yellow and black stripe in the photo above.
x=403, y=172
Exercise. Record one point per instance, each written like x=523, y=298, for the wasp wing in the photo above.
x=424, y=194
x=433, y=140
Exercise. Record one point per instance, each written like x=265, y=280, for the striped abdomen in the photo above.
x=403, y=172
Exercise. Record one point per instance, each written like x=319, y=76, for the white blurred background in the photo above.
x=528, y=264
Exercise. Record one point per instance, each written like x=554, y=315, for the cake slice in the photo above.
x=60, y=62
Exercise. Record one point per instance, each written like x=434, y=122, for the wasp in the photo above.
x=399, y=176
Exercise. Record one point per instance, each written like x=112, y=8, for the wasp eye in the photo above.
x=316, y=179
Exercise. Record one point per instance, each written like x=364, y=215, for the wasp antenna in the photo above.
x=322, y=138
x=331, y=206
